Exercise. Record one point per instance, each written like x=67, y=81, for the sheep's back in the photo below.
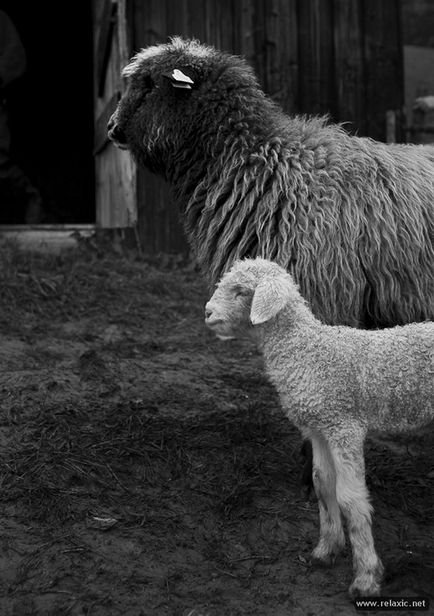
x=343, y=214
x=396, y=376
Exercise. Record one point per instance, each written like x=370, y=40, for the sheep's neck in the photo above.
x=289, y=333
x=240, y=142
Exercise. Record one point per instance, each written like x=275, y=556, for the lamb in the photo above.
x=334, y=383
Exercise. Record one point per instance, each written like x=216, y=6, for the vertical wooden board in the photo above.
x=281, y=52
x=150, y=26
x=246, y=38
x=259, y=42
x=210, y=26
x=114, y=169
x=130, y=19
x=219, y=26
x=316, y=66
x=383, y=64
x=349, y=64
x=196, y=19
x=176, y=18
x=115, y=195
x=226, y=26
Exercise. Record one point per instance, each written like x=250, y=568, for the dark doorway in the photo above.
x=51, y=109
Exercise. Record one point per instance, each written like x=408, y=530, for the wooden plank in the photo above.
x=383, y=64
x=224, y=17
x=104, y=42
x=115, y=189
x=246, y=45
x=115, y=173
x=123, y=32
x=150, y=23
x=196, y=19
x=176, y=18
x=281, y=52
x=100, y=134
x=259, y=41
x=316, y=66
x=349, y=64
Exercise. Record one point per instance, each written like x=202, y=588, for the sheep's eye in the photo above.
x=148, y=82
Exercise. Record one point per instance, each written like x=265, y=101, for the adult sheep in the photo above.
x=352, y=219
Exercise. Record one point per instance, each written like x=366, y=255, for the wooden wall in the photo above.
x=115, y=172
x=341, y=57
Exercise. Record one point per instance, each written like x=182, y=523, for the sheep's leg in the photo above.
x=332, y=538
x=353, y=498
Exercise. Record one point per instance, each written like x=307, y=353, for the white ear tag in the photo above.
x=180, y=80
x=180, y=77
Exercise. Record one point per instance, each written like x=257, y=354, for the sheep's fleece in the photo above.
x=351, y=218
x=334, y=383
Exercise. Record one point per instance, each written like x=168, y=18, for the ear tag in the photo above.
x=179, y=79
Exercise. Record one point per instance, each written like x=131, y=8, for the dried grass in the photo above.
x=206, y=466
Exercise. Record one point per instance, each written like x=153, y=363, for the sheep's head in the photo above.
x=253, y=292
x=174, y=92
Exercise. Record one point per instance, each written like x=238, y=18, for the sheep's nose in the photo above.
x=111, y=122
x=208, y=313
x=115, y=133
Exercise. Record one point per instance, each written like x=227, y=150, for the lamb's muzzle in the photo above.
x=216, y=323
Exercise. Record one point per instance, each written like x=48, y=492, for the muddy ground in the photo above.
x=146, y=468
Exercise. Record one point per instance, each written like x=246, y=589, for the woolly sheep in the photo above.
x=251, y=181
x=334, y=383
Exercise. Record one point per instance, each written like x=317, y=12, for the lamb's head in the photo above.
x=253, y=292
x=174, y=92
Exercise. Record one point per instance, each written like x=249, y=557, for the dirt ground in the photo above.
x=146, y=468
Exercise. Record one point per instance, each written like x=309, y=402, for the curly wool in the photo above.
x=351, y=218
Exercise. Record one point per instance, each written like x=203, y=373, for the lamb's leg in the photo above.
x=332, y=538
x=353, y=498
x=306, y=470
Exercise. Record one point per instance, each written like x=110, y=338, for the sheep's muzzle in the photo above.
x=116, y=134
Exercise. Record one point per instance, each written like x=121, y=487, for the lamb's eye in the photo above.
x=240, y=292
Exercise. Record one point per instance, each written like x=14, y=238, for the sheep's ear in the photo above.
x=270, y=297
x=179, y=79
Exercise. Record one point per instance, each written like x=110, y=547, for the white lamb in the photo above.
x=334, y=383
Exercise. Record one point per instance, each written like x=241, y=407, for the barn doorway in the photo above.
x=51, y=112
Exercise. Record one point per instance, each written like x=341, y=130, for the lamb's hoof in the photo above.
x=366, y=585
x=325, y=561
x=325, y=558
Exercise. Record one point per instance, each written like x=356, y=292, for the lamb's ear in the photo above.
x=270, y=297
x=179, y=79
